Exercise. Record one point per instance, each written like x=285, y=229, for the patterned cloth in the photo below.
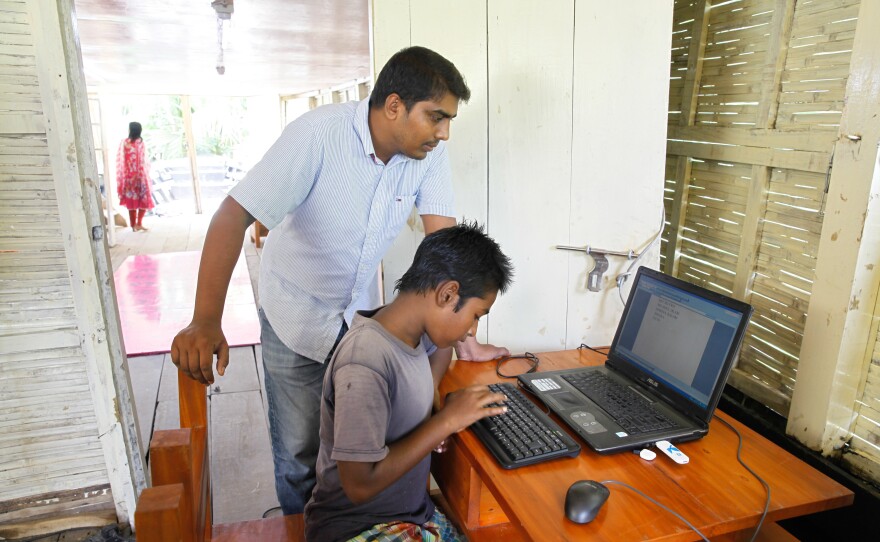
x=133, y=175
x=437, y=529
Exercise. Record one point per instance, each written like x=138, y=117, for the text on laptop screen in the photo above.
x=679, y=337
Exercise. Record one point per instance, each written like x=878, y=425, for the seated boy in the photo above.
x=377, y=430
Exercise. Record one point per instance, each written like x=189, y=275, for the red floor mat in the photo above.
x=156, y=293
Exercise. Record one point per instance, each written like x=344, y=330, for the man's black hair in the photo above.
x=463, y=253
x=417, y=74
x=134, y=130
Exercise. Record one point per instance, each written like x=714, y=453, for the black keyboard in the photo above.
x=629, y=409
x=524, y=435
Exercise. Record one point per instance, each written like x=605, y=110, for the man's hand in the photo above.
x=194, y=347
x=469, y=349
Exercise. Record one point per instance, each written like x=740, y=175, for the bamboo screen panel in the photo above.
x=756, y=93
x=783, y=277
x=713, y=224
x=817, y=65
x=736, y=47
x=864, y=446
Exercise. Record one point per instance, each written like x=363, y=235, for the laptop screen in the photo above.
x=677, y=336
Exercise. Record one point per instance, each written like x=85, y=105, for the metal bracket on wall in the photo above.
x=594, y=278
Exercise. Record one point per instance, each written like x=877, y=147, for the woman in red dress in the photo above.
x=133, y=177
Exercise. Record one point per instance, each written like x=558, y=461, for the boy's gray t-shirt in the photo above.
x=377, y=389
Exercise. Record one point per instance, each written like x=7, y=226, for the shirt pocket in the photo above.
x=399, y=211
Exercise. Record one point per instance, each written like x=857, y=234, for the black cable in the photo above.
x=663, y=506
x=533, y=360
x=741, y=462
x=265, y=514
x=536, y=396
x=588, y=347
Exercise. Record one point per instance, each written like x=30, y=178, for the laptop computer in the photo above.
x=673, y=350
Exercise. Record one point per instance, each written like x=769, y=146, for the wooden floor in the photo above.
x=241, y=458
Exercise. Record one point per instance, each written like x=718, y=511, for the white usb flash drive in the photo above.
x=674, y=453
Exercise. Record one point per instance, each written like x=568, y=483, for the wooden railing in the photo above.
x=177, y=508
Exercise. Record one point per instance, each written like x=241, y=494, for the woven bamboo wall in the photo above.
x=756, y=94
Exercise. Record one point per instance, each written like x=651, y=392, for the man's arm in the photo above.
x=362, y=481
x=194, y=346
x=433, y=223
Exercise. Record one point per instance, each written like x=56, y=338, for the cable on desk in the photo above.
x=588, y=347
x=535, y=395
x=533, y=360
x=741, y=462
x=663, y=506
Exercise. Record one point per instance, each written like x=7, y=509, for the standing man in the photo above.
x=335, y=189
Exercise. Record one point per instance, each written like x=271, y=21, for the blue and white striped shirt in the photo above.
x=333, y=209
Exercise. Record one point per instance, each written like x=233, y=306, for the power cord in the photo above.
x=623, y=277
x=741, y=462
x=269, y=511
x=588, y=347
x=663, y=506
x=544, y=408
x=533, y=360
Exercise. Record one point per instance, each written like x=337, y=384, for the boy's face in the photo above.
x=452, y=326
x=419, y=130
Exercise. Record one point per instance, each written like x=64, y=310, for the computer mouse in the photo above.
x=584, y=500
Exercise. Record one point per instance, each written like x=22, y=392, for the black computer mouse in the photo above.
x=584, y=500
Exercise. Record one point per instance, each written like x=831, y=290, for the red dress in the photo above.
x=133, y=175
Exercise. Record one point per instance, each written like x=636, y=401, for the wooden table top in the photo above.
x=713, y=491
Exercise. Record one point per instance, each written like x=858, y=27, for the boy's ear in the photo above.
x=447, y=293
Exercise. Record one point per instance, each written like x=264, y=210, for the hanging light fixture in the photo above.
x=224, y=10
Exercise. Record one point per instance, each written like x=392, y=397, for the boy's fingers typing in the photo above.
x=468, y=405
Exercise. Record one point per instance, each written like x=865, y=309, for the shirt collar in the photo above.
x=362, y=128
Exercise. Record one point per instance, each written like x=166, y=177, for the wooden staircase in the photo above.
x=178, y=506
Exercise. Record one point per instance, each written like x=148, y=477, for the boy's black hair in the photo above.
x=417, y=74
x=463, y=253
x=134, y=130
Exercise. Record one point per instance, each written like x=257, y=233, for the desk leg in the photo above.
x=258, y=233
x=472, y=507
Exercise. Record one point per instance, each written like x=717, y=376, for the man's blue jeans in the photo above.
x=293, y=391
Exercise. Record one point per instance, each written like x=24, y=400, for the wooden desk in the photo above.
x=713, y=491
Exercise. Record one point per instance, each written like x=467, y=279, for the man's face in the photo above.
x=454, y=326
x=418, y=130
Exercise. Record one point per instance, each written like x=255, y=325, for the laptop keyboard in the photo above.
x=524, y=435
x=629, y=409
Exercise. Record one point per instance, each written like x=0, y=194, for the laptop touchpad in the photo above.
x=565, y=400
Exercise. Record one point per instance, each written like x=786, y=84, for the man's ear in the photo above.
x=447, y=293
x=394, y=106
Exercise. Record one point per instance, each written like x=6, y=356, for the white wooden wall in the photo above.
x=562, y=142
x=67, y=429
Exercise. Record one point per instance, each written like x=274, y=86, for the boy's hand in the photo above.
x=466, y=406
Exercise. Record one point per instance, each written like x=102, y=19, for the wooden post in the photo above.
x=194, y=415
x=837, y=332
x=191, y=151
x=171, y=463
x=777, y=50
x=109, y=178
x=193, y=398
x=158, y=514
x=690, y=93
